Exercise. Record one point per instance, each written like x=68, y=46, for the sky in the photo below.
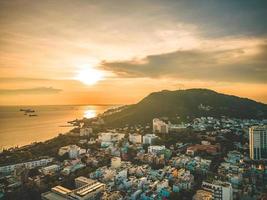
x=119, y=51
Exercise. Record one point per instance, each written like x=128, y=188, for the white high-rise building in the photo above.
x=258, y=142
x=220, y=190
x=160, y=126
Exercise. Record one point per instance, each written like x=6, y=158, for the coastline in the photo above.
x=18, y=130
x=68, y=124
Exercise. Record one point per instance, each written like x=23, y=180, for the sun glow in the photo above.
x=89, y=114
x=90, y=76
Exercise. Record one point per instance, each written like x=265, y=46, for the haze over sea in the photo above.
x=17, y=129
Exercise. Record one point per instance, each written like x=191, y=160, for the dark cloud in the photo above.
x=214, y=17
x=222, y=18
x=31, y=91
x=224, y=65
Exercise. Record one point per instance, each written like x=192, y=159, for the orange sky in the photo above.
x=90, y=52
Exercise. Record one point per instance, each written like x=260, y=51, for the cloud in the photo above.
x=238, y=65
x=222, y=18
x=22, y=79
x=33, y=33
x=30, y=91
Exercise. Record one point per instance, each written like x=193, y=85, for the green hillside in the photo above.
x=191, y=102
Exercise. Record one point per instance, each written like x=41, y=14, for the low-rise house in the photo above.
x=115, y=195
x=182, y=180
x=202, y=195
x=177, y=127
x=149, y=138
x=86, y=131
x=135, y=138
x=210, y=149
x=109, y=138
x=234, y=157
x=51, y=169
x=156, y=149
x=28, y=165
x=72, y=166
x=72, y=150
x=193, y=164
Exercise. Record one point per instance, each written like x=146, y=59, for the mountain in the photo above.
x=183, y=103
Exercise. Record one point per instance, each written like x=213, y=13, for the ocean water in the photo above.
x=17, y=129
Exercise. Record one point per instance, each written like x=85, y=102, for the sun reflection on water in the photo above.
x=89, y=113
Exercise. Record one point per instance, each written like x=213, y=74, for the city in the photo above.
x=204, y=158
x=133, y=100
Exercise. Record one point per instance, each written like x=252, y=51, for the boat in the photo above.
x=27, y=110
x=30, y=111
x=33, y=115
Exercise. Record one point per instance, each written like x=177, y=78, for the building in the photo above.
x=156, y=149
x=51, y=169
x=149, y=138
x=121, y=174
x=162, y=184
x=160, y=126
x=182, y=179
x=115, y=162
x=177, y=127
x=81, y=181
x=72, y=166
x=220, y=190
x=115, y=195
x=202, y=195
x=108, y=138
x=234, y=157
x=86, y=131
x=258, y=142
x=210, y=149
x=28, y=165
x=73, y=151
x=88, y=189
x=135, y=138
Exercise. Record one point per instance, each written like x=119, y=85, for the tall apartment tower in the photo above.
x=258, y=142
x=160, y=126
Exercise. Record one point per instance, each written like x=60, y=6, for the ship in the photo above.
x=27, y=110
x=33, y=115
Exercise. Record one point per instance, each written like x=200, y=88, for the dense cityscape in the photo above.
x=201, y=158
x=133, y=100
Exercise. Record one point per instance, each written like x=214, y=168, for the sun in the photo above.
x=89, y=114
x=89, y=76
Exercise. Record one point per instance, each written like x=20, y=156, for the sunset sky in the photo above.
x=118, y=51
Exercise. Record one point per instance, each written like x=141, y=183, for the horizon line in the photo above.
x=86, y=104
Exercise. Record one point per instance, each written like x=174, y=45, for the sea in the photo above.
x=17, y=128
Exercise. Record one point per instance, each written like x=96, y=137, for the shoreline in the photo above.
x=68, y=125
x=48, y=125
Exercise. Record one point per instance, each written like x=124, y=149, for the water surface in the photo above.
x=17, y=129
